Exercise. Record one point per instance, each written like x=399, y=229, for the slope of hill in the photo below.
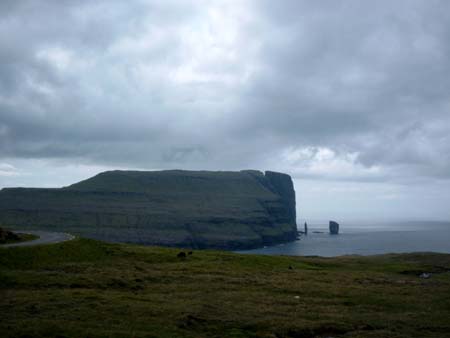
x=86, y=288
x=200, y=209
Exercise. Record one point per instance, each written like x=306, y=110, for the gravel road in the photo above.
x=45, y=237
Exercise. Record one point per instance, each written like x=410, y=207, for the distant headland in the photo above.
x=198, y=209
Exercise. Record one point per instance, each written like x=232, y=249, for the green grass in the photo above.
x=85, y=288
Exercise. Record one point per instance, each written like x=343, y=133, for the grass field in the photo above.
x=85, y=288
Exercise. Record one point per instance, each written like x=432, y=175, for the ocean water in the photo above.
x=364, y=238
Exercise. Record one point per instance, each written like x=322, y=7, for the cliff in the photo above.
x=199, y=209
x=6, y=236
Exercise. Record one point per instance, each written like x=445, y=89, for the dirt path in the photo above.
x=45, y=237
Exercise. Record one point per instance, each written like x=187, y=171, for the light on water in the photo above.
x=367, y=239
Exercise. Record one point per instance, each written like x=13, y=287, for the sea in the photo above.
x=365, y=238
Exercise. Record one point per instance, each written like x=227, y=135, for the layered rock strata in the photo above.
x=198, y=209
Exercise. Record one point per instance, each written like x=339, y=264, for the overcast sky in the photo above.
x=351, y=98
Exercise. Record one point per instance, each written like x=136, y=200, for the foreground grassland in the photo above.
x=85, y=288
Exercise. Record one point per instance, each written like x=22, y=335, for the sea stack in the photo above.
x=334, y=228
x=306, y=229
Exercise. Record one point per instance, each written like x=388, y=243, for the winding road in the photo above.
x=45, y=237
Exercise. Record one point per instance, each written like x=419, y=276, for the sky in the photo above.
x=351, y=98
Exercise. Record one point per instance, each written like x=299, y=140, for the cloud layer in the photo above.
x=336, y=90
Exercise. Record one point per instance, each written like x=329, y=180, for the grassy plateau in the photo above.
x=87, y=288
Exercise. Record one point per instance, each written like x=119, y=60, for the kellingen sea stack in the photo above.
x=334, y=228
x=197, y=209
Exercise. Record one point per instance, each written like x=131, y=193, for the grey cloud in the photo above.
x=342, y=73
x=161, y=84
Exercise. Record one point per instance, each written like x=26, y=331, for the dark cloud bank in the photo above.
x=348, y=92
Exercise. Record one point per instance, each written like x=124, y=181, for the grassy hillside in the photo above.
x=88, y=288
x=200, y=209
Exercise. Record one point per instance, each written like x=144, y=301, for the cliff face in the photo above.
x=200, y=209
x=283, y=186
